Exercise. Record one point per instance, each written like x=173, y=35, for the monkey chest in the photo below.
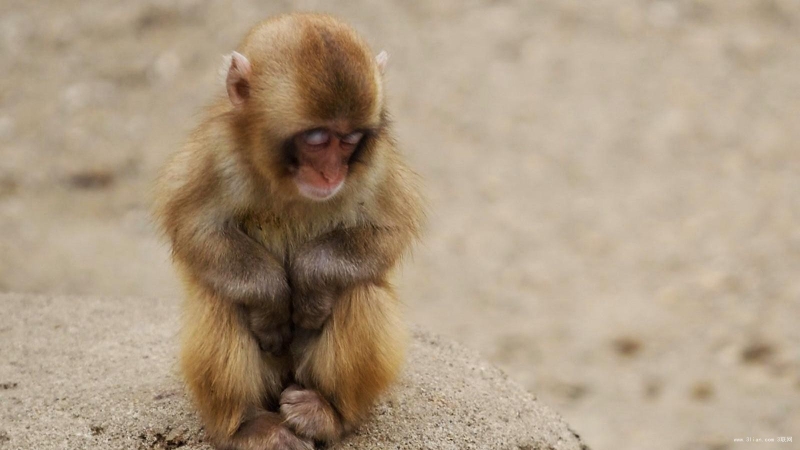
x=274, y=235
x=283, y=237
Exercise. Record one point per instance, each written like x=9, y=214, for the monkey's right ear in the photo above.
x=238, y=79
x=382, y=60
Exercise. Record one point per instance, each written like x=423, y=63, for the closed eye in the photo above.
x=353, y=138
x=316, y=137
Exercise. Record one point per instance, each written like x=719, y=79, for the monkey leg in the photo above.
x=344, y=367
x=231, y=381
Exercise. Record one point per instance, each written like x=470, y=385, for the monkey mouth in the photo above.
x=316, y=193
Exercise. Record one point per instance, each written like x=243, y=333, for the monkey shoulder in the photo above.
x=399, y=199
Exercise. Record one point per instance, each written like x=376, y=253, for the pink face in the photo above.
x=322, y=161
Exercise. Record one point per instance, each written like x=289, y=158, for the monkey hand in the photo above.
x=247, y=276
x=271, y=327
x=312, y=308
x=317, y=276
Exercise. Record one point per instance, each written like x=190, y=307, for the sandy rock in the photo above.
x=99, y=373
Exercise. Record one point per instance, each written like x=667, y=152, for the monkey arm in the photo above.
x=337, y=260
x=238, y=269
x=348, y=256
x=224, y=258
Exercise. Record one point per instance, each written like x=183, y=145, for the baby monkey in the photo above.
x=287, y=211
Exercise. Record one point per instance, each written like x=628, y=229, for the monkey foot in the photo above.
x=265, y=432
x=309, y=414
x=284, y=439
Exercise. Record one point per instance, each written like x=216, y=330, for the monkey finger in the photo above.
x=287, y=393
x=286, y=439
x=312, y=319
x=268, y=318
x=312, y=309
x=274, y=341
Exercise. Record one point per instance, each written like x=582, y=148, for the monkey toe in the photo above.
x=284, y=439
x=309, y=414
x=266, y=431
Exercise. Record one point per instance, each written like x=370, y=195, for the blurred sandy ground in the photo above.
x=615, y=186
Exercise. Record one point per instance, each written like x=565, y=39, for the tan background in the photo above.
x=615, y=186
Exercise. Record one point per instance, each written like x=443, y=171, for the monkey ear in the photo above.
x=382, y=59
x=238, y=79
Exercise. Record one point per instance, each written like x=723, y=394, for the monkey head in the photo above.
x=307, y=96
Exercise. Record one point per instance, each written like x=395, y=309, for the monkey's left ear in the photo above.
x=238, y=79
x=382, y=59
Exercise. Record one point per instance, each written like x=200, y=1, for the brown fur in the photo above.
x=251, y=250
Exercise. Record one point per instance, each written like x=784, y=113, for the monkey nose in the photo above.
x=330, y=175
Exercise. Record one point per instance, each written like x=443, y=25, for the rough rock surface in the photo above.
x=99, y=373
